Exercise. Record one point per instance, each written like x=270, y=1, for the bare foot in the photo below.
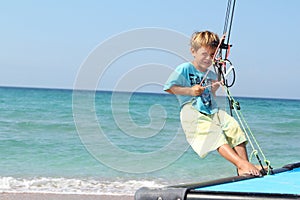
x=263, y=170
x=245, y=169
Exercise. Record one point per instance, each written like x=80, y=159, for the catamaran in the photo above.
x=282, y=183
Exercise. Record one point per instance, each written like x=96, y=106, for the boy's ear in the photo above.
x=192, y=50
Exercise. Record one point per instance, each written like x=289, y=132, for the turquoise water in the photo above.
x=58, y=141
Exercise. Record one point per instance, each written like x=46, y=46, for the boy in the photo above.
x=206, y=127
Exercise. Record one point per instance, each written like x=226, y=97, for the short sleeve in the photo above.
x=178, y=77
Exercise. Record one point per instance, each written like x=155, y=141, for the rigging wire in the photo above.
x=227, y=28
x=220, y=66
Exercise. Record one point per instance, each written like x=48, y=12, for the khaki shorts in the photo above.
x=207, y=133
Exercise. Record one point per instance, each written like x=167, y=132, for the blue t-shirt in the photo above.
x=186, y=75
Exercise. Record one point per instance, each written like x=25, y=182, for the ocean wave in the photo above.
x=73, y=185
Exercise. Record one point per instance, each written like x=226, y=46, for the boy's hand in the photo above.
x=215, y=86
x=197, y=90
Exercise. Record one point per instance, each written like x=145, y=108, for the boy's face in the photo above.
x=203, y=57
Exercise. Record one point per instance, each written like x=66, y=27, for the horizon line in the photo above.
x=141, y=92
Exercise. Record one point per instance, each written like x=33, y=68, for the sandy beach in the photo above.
x=49, y=196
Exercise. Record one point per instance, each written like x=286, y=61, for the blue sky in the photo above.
x=44, y=43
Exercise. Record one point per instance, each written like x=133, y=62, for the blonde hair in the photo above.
x=204, y=39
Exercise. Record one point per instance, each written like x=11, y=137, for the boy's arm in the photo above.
x=196, y=90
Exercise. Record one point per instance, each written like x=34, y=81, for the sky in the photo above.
x=45, y=43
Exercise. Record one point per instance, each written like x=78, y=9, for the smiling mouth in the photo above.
x=207, y=62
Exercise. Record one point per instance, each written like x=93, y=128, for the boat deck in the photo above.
x=284, y=183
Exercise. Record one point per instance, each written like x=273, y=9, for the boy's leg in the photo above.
x=241, y=151
x=243, y=165
x=236, y=139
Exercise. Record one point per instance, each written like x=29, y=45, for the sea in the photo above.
x=104, y=142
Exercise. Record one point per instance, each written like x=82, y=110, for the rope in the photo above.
x=220, y=64
x=249, y=134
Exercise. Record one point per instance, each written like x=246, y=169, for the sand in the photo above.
x=46, y=196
